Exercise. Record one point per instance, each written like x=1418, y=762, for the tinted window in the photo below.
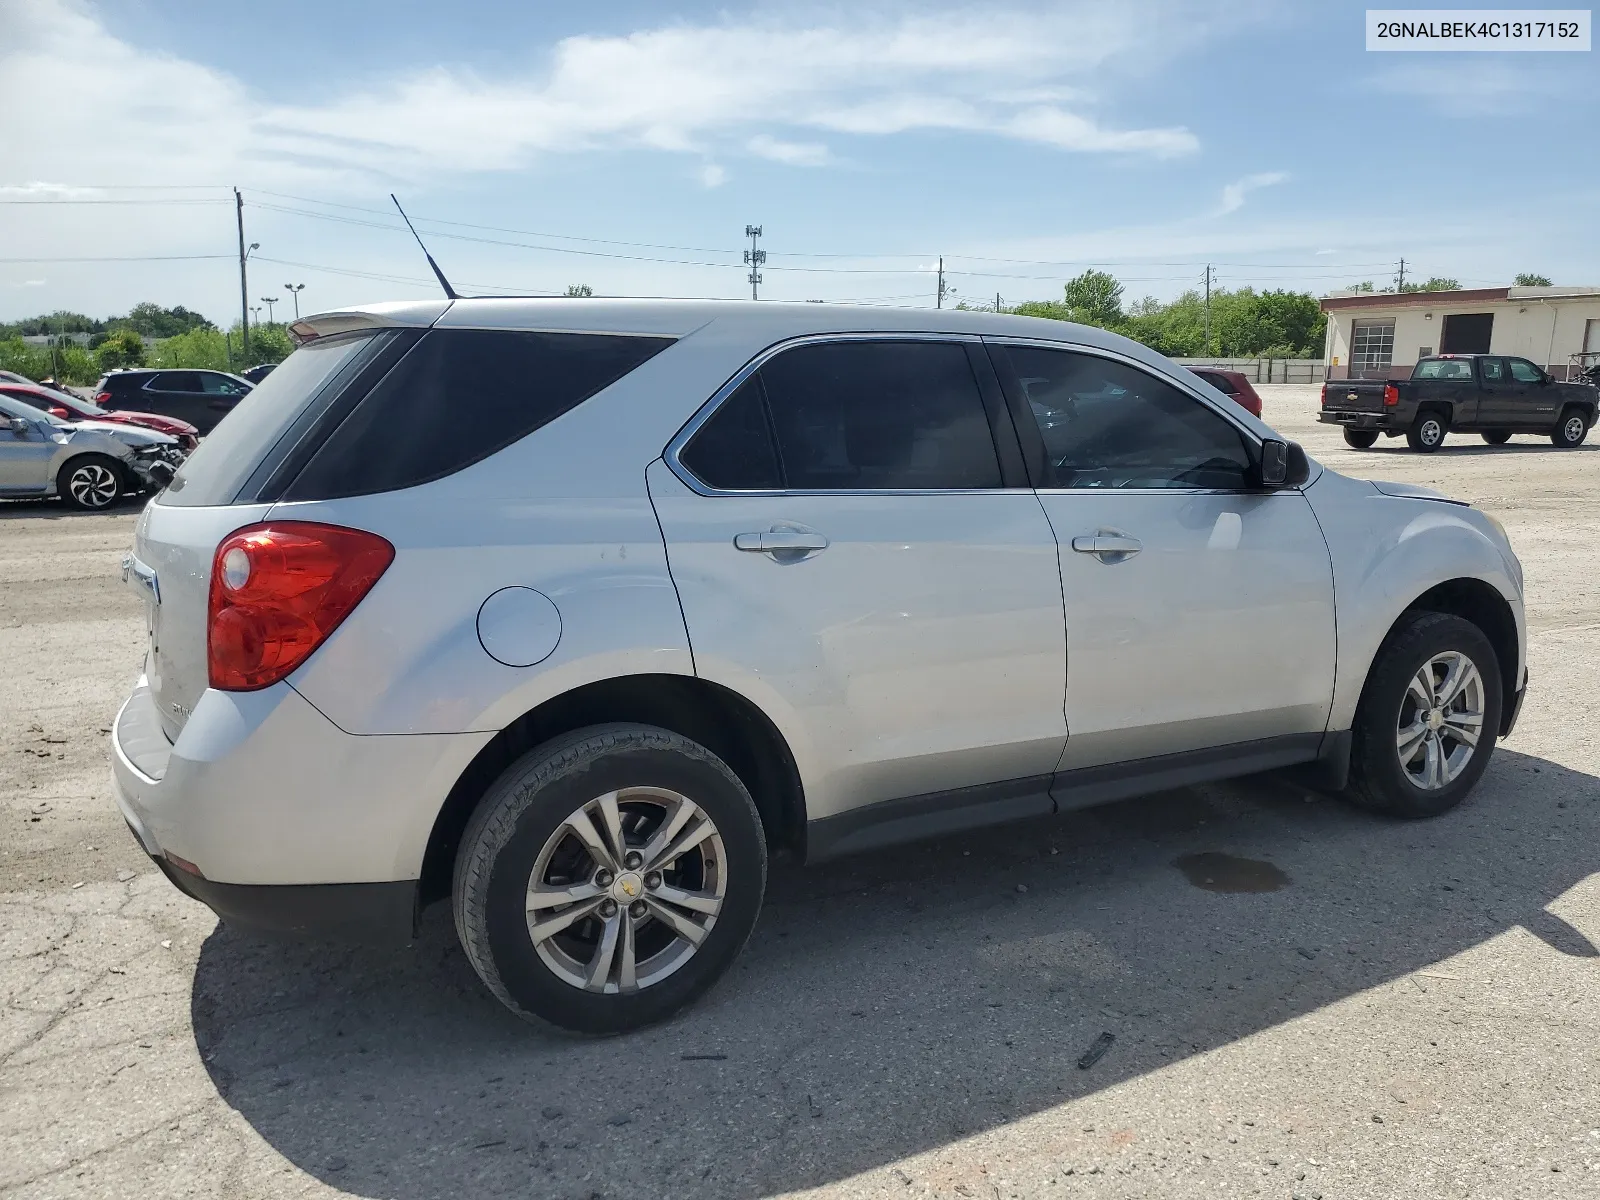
x=1221, y=382
x=216, y=470
x=733, y=451
x=1524, y=372
x=1106, y=424
x=905, y=415
x=456, y=398
x=177, y=381
x=1494, y=370
x=1445, y=368
x=221, y=385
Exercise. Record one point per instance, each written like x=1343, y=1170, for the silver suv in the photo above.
x=573, y=613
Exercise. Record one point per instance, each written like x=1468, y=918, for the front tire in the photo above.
x=1497, y=437
x=609, y=877
x=1428, y=718
x=1360, y=439
x=1427, y=432
x=1574, y=427
x=91, y=482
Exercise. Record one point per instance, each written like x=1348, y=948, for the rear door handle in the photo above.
x=780, y=540
x=1109, y=548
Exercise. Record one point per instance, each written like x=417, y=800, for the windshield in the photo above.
x=16, y=408
x=1443, y=368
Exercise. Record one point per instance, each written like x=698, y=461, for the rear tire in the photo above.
x=1571, y=431
x=1497, y=437
x=650, y=926
x=1427, y=433
x=91, y=482
x=1408, y=760
x=1360, y=439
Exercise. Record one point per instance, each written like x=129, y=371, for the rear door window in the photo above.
x=734, y=450
x=890, y=415
x=457, y=397
x=176, y=381
x=1494, y=370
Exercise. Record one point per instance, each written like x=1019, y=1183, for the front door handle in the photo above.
x=1108, y=547
x=787, y=542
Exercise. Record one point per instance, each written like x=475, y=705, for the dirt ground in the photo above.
x=1409, y=1010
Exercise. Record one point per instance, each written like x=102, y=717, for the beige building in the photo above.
x=1382, y=335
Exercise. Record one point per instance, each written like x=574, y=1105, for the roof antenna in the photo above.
x=450, y=292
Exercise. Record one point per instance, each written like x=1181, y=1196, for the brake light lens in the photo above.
x=101, y=397
x=57, y=411
x=278, y=590
x=1391, y=395
x=1324, y=395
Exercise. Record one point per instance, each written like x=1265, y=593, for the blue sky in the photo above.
x=626, y=146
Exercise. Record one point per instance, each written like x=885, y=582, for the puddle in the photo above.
x=1216, y=872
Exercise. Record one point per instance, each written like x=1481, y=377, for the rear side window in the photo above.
x=216, y=471
x=456, y=398
x=176, y=381
x=733, y=451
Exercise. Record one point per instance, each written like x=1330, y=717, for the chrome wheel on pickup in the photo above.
x=1427, y=433
x=1572, y=430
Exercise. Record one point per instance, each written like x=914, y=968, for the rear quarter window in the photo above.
x=457, y=397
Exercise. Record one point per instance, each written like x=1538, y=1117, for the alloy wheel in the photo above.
x=1574, y=429
x=626, y=889
x=93, y=485
x=1431, y=433
x=1440, y=720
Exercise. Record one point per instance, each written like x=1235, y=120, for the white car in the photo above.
x=573, y=613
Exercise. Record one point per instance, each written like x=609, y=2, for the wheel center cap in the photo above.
x=629, y=886
x=1435, y=718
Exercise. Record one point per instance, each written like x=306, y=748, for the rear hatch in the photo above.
x=224, y=485
x=1354, y=395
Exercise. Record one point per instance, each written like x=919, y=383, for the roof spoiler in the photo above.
x=349, y=320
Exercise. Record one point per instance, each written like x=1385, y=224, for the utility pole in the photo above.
x=1207, y=350
x=938, y=296
x=257, y=311
x=997, y=302
x=244, y=286
x=1400, y=281
x=294, y=290
x=753, y=258
x=269, y=301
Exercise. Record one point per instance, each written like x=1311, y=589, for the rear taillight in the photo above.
x=278, y=590
x=1391, y=395
x=1324, y=395
x=100, y=398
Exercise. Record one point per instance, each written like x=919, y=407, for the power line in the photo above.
x=121, y=258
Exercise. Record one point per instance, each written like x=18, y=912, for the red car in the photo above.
x=1234, y=385
x=70, y=408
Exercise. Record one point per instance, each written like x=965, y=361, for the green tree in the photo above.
x=19, y=357
x=1095, y=298
x=268, y=344
x=1364, y=286
x=1436, y=283
x=1527, y=279
x=203, y=349
x=123, y=348
x=579, y=289
x=153, y=321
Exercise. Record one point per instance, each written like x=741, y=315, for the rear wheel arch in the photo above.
x=721, y=720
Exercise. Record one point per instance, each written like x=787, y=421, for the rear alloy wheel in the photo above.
x=609, y=878
x=1572, y=430
x=1497, y=437
x=91, y=482
x=1427, y=434
x=1360, y=439
x=1428, y=718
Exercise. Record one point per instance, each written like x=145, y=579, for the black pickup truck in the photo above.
x=1487, y=394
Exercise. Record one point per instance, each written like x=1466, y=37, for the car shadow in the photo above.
x=1458, y=450
x=891, y=1003
x=14, y=508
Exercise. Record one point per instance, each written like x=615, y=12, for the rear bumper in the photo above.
x=277, y=819
x=364, y=912
x=1357, y=420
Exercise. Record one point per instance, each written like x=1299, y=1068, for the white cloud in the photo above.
x=750, y=82
x=795, y=154
x=1234, y=193
x=713, y=176
x=1477, y=89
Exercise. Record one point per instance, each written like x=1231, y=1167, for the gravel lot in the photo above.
x=1410, y=1011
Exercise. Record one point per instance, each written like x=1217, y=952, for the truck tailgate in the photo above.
x=1354, y=395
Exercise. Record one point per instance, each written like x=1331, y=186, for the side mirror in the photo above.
x=19, y=426
x=1283, y=464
